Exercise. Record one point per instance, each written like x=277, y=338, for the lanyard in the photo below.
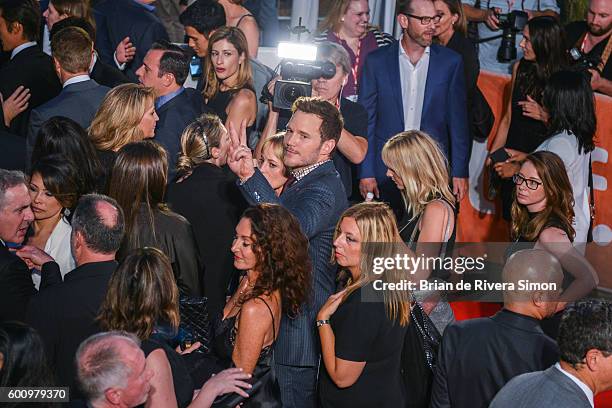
x=355, y=68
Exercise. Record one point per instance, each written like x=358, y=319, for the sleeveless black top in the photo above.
x=219, y=102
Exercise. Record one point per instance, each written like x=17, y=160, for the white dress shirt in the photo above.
x=412, y=80
x=583, y=386
x=22, y=47
x=76, y=79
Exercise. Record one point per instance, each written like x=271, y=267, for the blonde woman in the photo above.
x=127, y=114
x=270, y=162
x=419, y=169
x=229, y=80
x=362, y=329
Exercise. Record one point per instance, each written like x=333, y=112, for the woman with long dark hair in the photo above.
x=523, y=126
x=229, y=88
x=138, y=183
x=54, y=191
x=542, y=213
x=570, y=104
x=22, y=358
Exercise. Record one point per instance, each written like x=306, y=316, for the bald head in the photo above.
x=99, y=220
x=537, y=278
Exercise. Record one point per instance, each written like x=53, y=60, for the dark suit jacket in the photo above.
x=444, y=115
x=478, y=356
x=16, y=286
x=117, y=19
x=317, y=201
x=107, y=75
x=212, y=203
x=78, y=101
x=548, y=388
x=13, y=150
x=174, y=116
x=65, y=314
x=33, y=69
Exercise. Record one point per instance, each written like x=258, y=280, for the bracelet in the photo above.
x=322, y=322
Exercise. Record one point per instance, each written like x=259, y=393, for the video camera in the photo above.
x=298, y=68
x=511, y=24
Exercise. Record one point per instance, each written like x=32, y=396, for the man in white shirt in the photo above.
x=584, y=369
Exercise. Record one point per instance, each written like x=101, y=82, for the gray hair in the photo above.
x=335, y=53
x=100, y=365
x=8, y=180
x=99, y=235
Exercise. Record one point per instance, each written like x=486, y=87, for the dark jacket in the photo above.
x=107, y=75
x=174, y=236
x=16, y=286
x=212, y=203
x=33, y=69
x=13, y=150
x=65, y=315
x=117, y=19
x=317, y=201
x=174, y=116
x=478, y=356
x=79, y=102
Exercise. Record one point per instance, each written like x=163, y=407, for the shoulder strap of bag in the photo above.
x=605, y=55
x=591, y=203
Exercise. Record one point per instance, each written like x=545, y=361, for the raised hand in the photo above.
x=125, y=51
x=533, y=110
x=240, y=158
x=15, y=104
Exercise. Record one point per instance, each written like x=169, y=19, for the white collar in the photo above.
x=76, y=79
x=585, y=388
x=22, y=47
x=402, y=51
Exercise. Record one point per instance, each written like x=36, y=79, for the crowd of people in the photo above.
x=164, y=245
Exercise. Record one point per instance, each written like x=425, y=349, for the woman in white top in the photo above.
x=53, y=191
x=569, y=102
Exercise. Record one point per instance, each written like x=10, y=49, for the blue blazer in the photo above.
x=444, y=115
x=317, y=201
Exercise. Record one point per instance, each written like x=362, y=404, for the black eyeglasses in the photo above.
x=531, y=184
x=426, y=20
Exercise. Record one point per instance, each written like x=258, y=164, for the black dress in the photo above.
x=524, y=134
x=219, y=102
x=183, y=385
x=363, y=332
x=212, y=203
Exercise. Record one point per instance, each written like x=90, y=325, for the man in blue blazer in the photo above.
x=81, y=96
x=165, y=69
x=413, y=84
x=315, y=195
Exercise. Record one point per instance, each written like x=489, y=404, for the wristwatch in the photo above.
x=322, y=322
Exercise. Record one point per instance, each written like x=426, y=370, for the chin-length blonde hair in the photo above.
x=117, y=120
x=244, y=78
x=333, y=21
x=277, y=143
x=380, y=238
x=418, y=161
x=141, y=293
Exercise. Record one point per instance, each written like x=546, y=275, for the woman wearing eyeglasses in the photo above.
x=542, y=213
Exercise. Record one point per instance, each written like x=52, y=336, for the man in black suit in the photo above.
x=131, y=20
x=72, y=51
x=12, y=148
x=165, y=69
x=317, y=198
x=28, y=66
x=101, y=72
x=65, y=314
x=16, y=286
x=478, y=357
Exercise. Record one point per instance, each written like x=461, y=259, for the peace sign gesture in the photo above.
x=240, y=157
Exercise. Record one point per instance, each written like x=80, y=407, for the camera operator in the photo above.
x=487, y=14
x=593, y=38
x=352, y=145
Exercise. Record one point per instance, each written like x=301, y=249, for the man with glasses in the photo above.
x=413, y=84
x=584, y=368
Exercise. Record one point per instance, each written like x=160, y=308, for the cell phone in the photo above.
x=499, y=156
